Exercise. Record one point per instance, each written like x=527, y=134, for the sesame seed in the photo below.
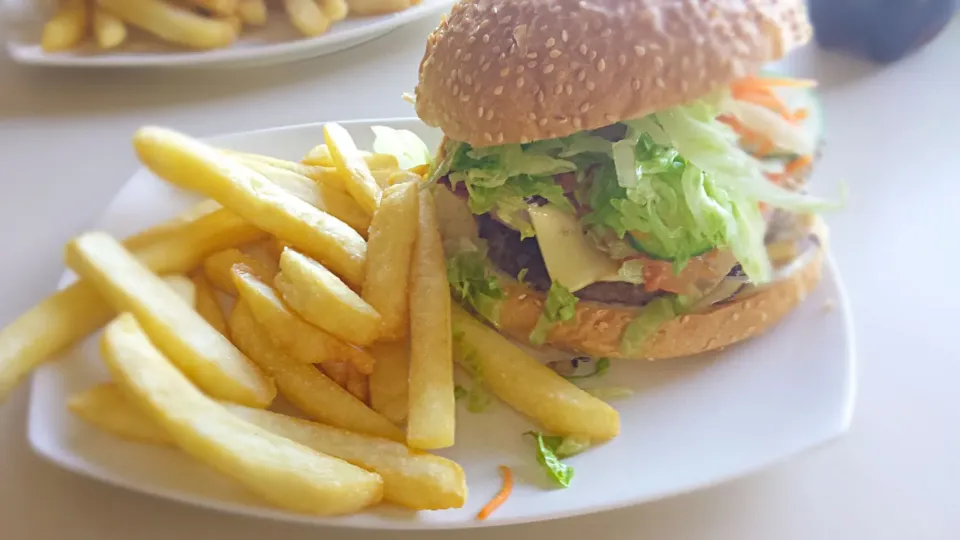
x=519, y=83
x=751, y=330
x=641, y=52
x=612, y=119
x=523, y=140
x=507, y=19
x=464, y=97
x=468, y=79
x=585, y=107
x=735, y=317
x=485, y=38
x=456, y=89
x=658, y=62
x=479, y=112
x=601, y=65
x=558, y=90
x=592, y=55
x=582, y=75
x=540, y=97
x=555, y=53
x=576, y=122
x=606, y=33
x=504, y=72
x=467, y=57
x=659, y=82
x=550, y=43
x=547, y=68
x=532, y=64
x=471, y=40
x=490, y=113
x=488, y=137
x=457, y=53
x=519, y=69
x=498, y=90
x=542, y=122
x=496, y=50
x=485, y=67
x=710, y=343
x=564, y=36
x=583, y=49
x=569, y=89
x=531, y=55
x=562, y=119
x=500, y=137
x=532, y=116
x=591, y=85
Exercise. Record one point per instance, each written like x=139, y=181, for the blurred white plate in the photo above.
x=275, y=43
x=691, y=422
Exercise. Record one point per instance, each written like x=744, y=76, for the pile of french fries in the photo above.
x=193, y=24
x=322, y=281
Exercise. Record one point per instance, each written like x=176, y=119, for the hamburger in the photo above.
x=619, y=178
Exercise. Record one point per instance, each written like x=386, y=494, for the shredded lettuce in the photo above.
x=645, y=324
x=600, y=368
x=547, y=456
x=631, y=271
x=560, y=305
x=472, y=282
x=409, y=150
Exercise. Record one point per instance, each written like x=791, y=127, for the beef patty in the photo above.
x=510, y=254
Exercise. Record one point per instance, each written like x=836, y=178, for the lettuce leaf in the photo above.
x=557, y=471
x=409, y=149
x=472, y=282
x=560, y=305
x=645, y=324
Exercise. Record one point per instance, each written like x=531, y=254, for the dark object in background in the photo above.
x=880, y=30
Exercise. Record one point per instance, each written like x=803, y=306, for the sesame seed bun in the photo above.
x=515, y=71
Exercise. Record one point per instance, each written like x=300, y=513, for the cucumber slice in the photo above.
x=650, y=246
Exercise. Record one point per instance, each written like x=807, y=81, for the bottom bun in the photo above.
x=596, y=329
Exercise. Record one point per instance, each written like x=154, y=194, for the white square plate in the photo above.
x=691, y=422
x=275, y=43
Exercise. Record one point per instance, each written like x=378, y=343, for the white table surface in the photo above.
x=64, y=150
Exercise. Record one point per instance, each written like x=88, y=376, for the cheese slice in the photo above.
x=571, y=259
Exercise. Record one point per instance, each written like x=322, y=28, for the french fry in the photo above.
x=192, y=164
x=204, y=354
x=530, y=387
x=348, y=161
x=301, y=340
x=107, y=408
x=432, y=415
x=307, y=17
x=173, y=23
x=326, y=175
x=252, y=12
x=219, y=268
x=207, y=304
x=336, y=10
x=377, y=7
x=331, y=200
x=217, y=7
x=417, y=480
x=358, y=384
x=305, y=386
x=67, y=28
x=319, y=156
x=337, y=371
x=172, y=226
x=388, y=382
x=281, y=471
x=414, y=479
x=393, y=232
x=108, y=29
x=69, y=315
x=183, y=287
x=324, y=301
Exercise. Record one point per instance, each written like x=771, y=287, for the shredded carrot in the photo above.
x=775, y=81
x=501, y=496
x=799, y=115
x=765, y=99
x=799, y=163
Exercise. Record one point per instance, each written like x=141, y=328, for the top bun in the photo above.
x=515, y=71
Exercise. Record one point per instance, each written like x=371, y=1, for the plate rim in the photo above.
x=840, y=425
x=271, y=53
